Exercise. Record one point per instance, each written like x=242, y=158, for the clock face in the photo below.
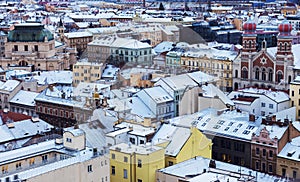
x=263, y=61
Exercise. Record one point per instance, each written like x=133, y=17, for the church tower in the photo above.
x=249, y=48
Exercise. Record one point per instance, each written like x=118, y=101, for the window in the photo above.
x=283, y=172
x=139, y=180
x=113, y=156
x=31, y=161
x=18, y=165
x=132, y=140
x=90, y=168
x=25, y=47
x=264, y=152
x=294, y=174
x=293, y=93
x=170, y=163
x=113, y=170
x=270, y=168
x=257, y=74
x=142, y=142
x=270, y=153
x=69, y=140
x=36, y=48
x=271, y=106
x=263, y=104
x=15, y=48
x=257, y=165
x=4, y=169
x=45, y=158
x=257, y=151
x=125, y=173
x=139, y=163
x=125, y=159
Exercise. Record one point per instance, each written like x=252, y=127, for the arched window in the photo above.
x=270, y=76
x=264, y=45
x=280, y=46
x=285, y=46
x=279, y=76
x=245, y=73
x=257, y=74
x=263, y=74
x=250, y=44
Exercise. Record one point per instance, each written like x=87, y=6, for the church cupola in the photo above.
x=284, y=42
x=249, y=36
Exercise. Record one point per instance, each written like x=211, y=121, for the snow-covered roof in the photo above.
x=291, y=150
x=129, y=149
x=177, y=137
x=52, y=77
x=9, y=85
x=197, y=165
x=78, y=34
x=211, y=91
x=129, y=43
x=296, y=52
x=24, y=98
x=22, y=129
x=77, y=157
x=276, y=96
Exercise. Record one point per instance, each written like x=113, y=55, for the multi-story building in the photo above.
x=87, y=72
x=8, y=90
x=78, y=40
x=23, y=102
x=295, y=95
x=99, y=49
x=177, y=85
x=268, y=68
x=288, y=160
x=51, y=160
x=268, y=142
x=57, y=106
x=153, y=103
x=125, y=50
x=211, y=61
x=135, y=163
x=31, y=46
x=260, y=102
x=182, y=143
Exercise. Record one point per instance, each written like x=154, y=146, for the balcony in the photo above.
x=24, y=53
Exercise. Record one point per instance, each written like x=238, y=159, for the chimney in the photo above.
x=147, y=121
x=252, y=117
x=212, y=164
x=35, y=118
x=50, y=87
x=63, y=95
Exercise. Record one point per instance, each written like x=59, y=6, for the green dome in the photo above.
x=29, y=32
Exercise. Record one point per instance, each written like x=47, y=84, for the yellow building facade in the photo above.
x=295, y=95
x=87, y=72
x=197, y=144
x=220, y=68
x=132, y=163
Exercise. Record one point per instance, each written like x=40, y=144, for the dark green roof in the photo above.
x=29, y=32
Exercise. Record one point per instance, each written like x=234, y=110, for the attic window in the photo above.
x=226, y=129
x=216, y=126
x=290, y=154
x=230, y=124
x=235, y=130
x=203, y=124
x=246, y=132
x=221, y=122
x=239, y=125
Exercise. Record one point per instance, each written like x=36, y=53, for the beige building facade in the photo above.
x=32, y=47
x=87, y=72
